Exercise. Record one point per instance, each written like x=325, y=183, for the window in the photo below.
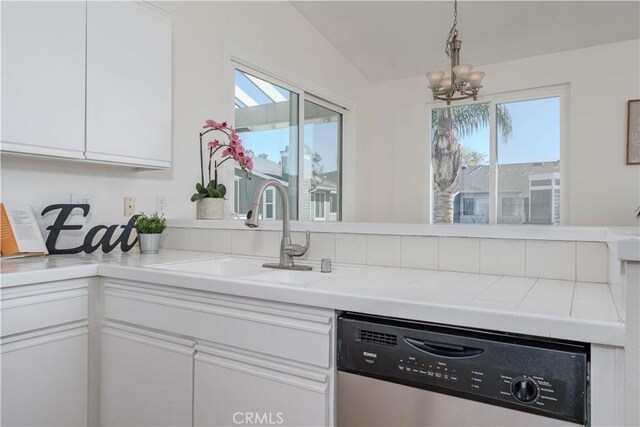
x=266, y=119
x=293, y=137
x=269, y=203
x=528, y=157
x=319, y=206
x=460, y=163
x=333, y=208
x=511, y=206
x=469, y=206
x=498, y=161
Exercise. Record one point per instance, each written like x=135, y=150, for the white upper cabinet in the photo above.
x=43, y=78
x=87, y=80
x=128, y=83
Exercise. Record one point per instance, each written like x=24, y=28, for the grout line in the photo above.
x=573, y=298
x=525, y=258
x=526, y=293
x=478, y=272
x=575, y=262
x=613, y=300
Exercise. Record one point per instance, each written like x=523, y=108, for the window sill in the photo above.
x=530, y=232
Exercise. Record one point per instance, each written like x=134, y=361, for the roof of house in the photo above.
x=511, y=177
x=325, y=181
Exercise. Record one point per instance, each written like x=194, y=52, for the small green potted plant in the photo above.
x=149, y=230
x=209, y=196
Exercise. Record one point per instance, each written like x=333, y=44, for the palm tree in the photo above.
x=447, y=124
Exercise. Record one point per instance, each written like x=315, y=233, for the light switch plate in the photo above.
x=129, y=206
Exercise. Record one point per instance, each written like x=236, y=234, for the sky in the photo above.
x=535, y=137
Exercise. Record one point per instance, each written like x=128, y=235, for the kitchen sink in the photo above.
x=293, y=277
x=251, y=268
x=227, y=267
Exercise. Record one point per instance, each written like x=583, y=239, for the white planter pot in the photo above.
x=209, y=208
x=149, y=243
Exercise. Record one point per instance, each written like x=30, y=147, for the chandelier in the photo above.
x=464, y=83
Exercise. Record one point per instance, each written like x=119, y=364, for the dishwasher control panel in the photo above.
x=537, y=376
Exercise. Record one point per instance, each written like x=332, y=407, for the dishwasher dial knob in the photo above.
x=524, y=389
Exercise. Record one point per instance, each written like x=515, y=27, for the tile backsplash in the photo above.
x=548, y=259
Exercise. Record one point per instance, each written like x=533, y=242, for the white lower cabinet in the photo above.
x=146, y=378
x=255, y=362
x=150, y=355
x=44, y=363
x=230, y=389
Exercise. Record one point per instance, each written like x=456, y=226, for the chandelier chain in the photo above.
x=453, y=32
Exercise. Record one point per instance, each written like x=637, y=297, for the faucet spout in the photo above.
x=252, y=215
x=287, y=249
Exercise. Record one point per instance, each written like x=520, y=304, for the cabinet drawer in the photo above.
x=232, y=389
x=28, y=308
x=271, y=329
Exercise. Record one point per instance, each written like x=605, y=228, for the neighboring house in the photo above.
x=528, y=193
x=320, y=195
x=324, y=196
x=246, y=188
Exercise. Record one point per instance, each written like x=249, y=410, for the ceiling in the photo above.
x=388, y=40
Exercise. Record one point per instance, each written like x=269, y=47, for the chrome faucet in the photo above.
x=287, y=249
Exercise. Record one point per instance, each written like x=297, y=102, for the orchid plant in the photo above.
x=231, y=150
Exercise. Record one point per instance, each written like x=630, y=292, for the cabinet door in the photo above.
x=145, y=380
x=231, y=389
x=128, y=83
x=44, y=379
x=43, y=78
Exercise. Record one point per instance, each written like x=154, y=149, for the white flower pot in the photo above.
x=149, y=243
x=209, y=208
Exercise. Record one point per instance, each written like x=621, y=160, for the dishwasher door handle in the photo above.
x=443, y=349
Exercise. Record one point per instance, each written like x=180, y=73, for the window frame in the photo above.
x=236, y=189
x=560, y=91
x=305, y=92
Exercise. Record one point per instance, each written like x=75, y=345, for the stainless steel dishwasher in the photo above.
x=402, y=373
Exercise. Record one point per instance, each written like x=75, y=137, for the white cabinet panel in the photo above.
x=43, y=78
x=295, y=335
x=128, y=83
x=146, y=379
x=231, y=389
x=44, y=379
x=44, y=306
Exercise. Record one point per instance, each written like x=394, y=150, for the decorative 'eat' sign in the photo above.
x=88, y=245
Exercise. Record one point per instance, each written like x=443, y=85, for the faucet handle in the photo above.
x=299, y=250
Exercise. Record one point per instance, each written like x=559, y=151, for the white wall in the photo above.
x=274, y=32
x=603, y=190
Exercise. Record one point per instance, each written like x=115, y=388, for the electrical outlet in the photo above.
x=129, y=206
x=80, y=198
x=161, y=204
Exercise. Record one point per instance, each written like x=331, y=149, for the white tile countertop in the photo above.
x=560, y=309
